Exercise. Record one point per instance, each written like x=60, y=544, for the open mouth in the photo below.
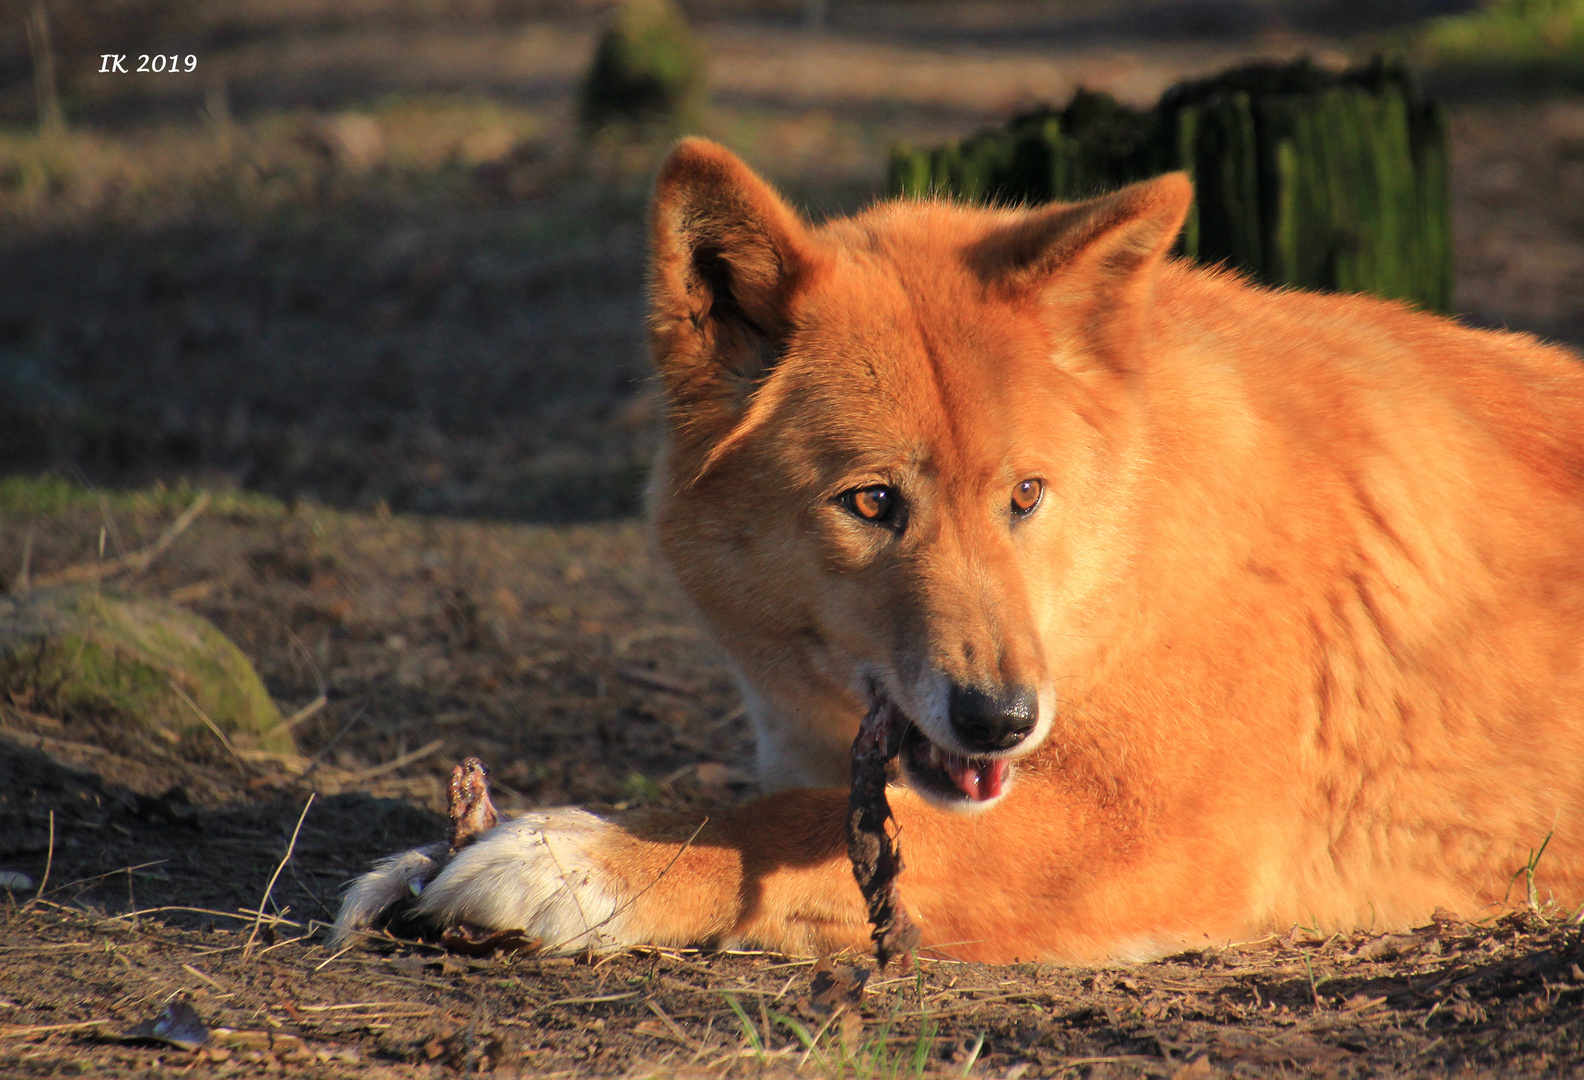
x=951, y=776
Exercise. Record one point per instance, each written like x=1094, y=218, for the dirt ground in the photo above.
x=462, y=338
x=561, y=656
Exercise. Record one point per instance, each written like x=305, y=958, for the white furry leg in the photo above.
x=392, y=879
x=537, y=873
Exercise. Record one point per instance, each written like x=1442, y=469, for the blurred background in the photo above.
x=389, y=253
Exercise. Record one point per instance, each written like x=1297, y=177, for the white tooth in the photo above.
x=934, y=755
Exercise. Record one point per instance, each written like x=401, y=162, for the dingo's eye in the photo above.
x=1026, y=496
x=876, y=504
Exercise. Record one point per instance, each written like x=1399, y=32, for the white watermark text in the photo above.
x=122, y=64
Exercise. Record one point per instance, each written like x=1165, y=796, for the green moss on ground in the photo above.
x=143, y=663
x=46, y=495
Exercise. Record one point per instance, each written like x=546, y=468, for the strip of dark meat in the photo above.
x=874, y=853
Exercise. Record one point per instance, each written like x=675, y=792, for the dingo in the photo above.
x=1213, y=608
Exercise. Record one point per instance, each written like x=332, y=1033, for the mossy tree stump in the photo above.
x=1303, y=177
x=648, y=70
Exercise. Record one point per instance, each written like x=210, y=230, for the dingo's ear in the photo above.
x=727, y=255
x=1102, y=254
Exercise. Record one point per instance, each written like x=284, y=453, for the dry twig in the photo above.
x=28, y=1030
x=307, y=712
x=394, y=763
x=49, y=862
x=247, y=949
x=136, y=562
x=210, y=724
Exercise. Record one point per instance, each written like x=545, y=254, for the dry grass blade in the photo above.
x=136, y=562
x=317, y=760
x=415, y=1012
x=108, y=874
x=680, y=1035
x=28, y=1030
x=191, y=594
x=243, y=914
x=808, y=1050
x=50, y=744
x=655, y=681
x=290, y=764
x=49, y=862
x=20, y=583
x=307, y=712
x=590, y=1000
x=365, y=1006
x=206, y=978
x=973, y=1054
x=334, y=957
x=210, y=724
x=394, y=763
x=247, y=949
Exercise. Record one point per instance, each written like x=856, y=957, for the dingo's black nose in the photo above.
x=991, y=721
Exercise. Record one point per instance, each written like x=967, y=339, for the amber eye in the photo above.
x=1026, y=496
x=877, y=504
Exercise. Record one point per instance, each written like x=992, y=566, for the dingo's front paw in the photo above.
x=539, y=873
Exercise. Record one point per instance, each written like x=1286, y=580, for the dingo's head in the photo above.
x=896, y=447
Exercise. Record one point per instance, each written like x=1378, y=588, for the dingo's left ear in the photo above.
x=727, y=255
x=1102, y=254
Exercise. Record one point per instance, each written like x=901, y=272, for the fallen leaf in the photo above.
x=177, y=1025
x=834, y=985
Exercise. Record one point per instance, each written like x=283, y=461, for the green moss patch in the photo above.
x=144, y=664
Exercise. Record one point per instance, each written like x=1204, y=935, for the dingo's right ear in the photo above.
x=727, y=255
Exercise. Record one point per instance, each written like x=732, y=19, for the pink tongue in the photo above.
x=979, y=780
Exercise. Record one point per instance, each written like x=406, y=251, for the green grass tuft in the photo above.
x=51, y=494
x=1508, y=31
